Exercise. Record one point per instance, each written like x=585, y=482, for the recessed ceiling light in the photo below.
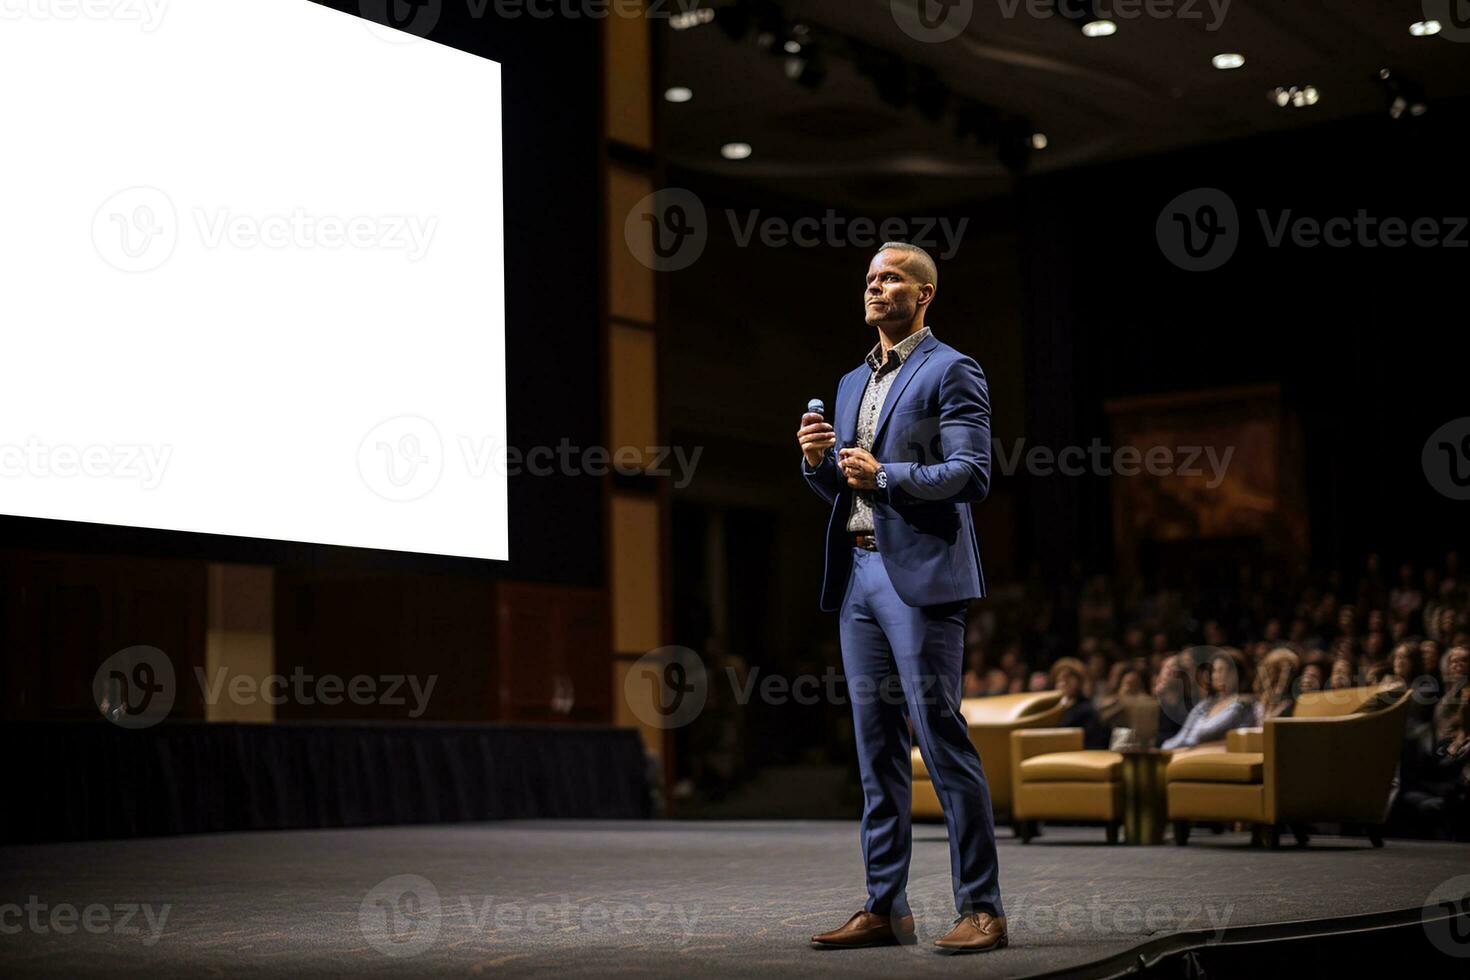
x=1424, y=28
x=684, y=20
x=1294, y=96
x=1099, y=28
x=1038, y=141
x=736, y=151
x=679, y=93
x=792, y=47
x=1228, y=60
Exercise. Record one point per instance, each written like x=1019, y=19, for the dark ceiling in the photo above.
x=1147, y=88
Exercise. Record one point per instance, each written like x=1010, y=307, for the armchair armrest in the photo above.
x=1245, y=740
x=1028, y=742
x=1332, y=768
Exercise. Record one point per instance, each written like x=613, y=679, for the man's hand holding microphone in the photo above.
x=816, y=436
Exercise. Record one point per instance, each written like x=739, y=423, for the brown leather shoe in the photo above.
x=978, y=932
x=868, y=929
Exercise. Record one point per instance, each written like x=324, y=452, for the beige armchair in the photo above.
x=1333, y=760
x=1055, y=778
x=991, y=721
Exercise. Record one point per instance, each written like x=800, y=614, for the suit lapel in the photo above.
x=906, y=374
x=849, y=402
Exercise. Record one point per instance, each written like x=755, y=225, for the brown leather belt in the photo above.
x=865, y=541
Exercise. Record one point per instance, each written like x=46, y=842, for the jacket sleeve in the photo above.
x=824, y=479
x=960, y=471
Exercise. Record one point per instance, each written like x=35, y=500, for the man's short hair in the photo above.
x=922, y=262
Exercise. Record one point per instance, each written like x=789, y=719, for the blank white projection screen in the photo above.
x=253, y=275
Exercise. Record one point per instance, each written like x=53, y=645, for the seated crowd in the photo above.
x=1214, y=660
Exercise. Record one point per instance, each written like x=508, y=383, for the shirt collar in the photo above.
x=899, y=352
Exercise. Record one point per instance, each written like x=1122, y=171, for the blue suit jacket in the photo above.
x=933, y=440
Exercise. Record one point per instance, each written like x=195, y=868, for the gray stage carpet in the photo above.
x=607, y=899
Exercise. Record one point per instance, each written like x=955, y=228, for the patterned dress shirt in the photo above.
x=860, y=518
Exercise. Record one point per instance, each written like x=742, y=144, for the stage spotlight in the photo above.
x=1038, y=141
x=736, y=151
x=684, y=20
x=1228, y=61
x=1099, y=27
x=1405, y=96
x=679, y=94
x=1424, y=28
x=1294, y=96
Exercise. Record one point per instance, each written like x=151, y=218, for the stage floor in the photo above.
x=599, y=899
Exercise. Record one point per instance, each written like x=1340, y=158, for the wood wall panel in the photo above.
x=62, y=615
x=553, y=644
x=494, y=651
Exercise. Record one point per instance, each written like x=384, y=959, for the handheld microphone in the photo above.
x=817, y=407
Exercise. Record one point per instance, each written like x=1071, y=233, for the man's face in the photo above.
x=893, y=293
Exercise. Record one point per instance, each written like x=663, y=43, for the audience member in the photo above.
x=1221, y=710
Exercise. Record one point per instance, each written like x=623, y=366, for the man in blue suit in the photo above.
x=913, y=424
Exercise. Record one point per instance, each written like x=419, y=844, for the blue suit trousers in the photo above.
x=903, y=664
